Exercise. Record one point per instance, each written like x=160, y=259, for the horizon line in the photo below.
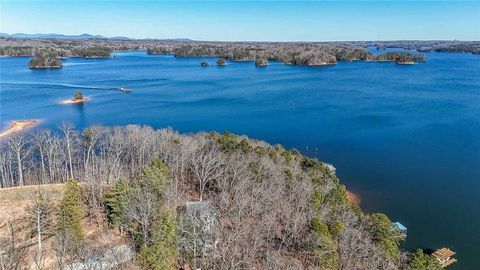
x=99, y=36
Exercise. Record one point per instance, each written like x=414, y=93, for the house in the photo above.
x=444, y=256
x=202, y=213
x=203, y=225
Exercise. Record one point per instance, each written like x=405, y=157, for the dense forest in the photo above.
x=206, y=200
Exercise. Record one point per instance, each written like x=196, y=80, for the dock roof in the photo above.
x=400, y=226
x=443, y=253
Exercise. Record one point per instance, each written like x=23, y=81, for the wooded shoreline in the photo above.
x=48, y=53
x=146, y=182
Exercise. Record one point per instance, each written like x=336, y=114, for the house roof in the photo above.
x=443, y=253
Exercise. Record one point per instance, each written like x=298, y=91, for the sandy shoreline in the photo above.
x=17, y=126
x=45, y=67
x=74, y=101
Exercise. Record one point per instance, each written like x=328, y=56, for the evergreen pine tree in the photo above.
x=326, y=249
x=115, y=202
x=154, y=177
x=384, y=232
x=71, y=212
x=161, y=254
x=422, y=261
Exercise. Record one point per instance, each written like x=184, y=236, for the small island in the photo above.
x=45, y=62
x=261, y=62
x=77, y=98
x=221, y=62
x=17, y=126
x=401, y=58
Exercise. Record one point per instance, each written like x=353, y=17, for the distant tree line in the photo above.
x=309, y=54
x=463, y=48
x=295, y=54
x=425, y=45
x=92, y=52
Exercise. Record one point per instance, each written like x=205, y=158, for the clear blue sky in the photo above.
x=236, y=20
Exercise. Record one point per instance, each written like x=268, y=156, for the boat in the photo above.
x=124, y=89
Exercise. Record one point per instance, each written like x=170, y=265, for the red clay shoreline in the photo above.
x=353, y=198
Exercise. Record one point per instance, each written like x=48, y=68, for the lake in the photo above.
x=406, y=138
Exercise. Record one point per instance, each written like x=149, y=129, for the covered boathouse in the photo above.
x=444, y=256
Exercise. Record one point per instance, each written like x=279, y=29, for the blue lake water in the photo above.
x=406, y=138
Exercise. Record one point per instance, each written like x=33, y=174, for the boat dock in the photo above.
x=331, y=167
x=401, y=228
x=444, y=256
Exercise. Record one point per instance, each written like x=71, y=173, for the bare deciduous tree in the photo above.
x=17, y=143
x=70, y=143
x=13, y=251
x=206, y=163
x=40, y=215
x=141, y=209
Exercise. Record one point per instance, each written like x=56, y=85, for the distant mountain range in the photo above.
x=59, y=36
x=73, y=37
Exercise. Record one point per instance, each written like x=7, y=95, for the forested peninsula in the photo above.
x=140, y=198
